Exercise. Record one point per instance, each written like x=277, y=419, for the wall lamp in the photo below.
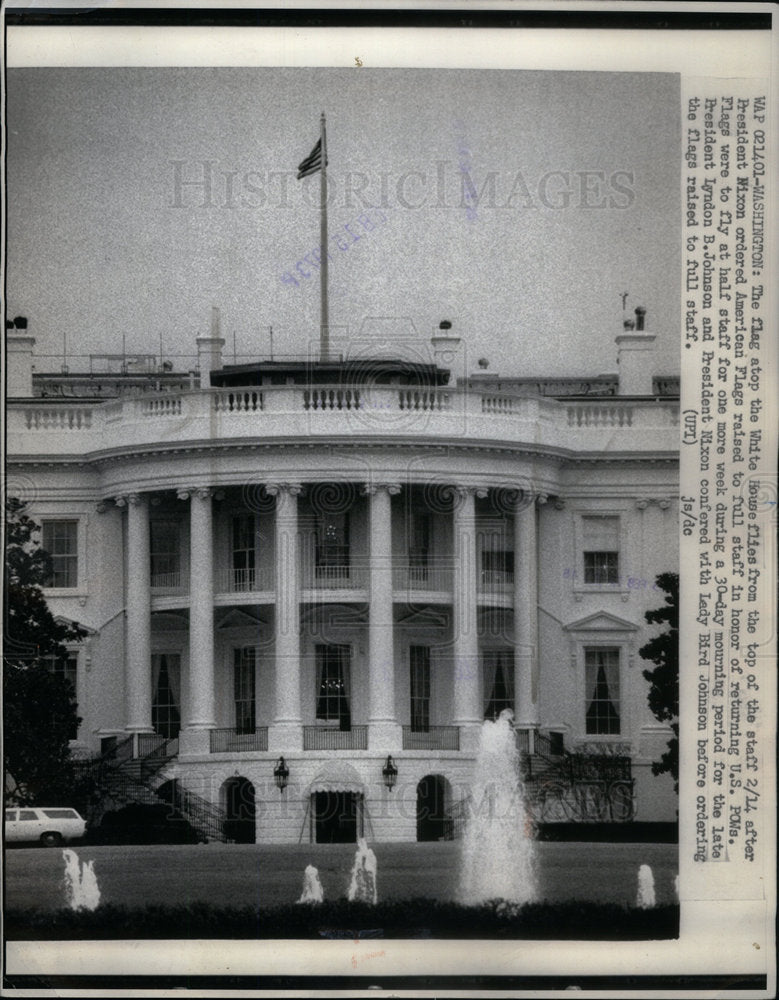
x=281, y=774
x=390, y=773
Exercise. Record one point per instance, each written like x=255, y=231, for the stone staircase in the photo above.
x=131, y=772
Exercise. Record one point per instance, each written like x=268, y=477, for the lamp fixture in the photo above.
x=390, y=773
x=281, y=774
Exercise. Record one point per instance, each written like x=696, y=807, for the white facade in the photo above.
x=338, y=572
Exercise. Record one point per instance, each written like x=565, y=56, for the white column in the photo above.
x=138, y=693
x=468, y=713
x=286, y=734
x=384, y=731
x=526, y=714
x=201, y=610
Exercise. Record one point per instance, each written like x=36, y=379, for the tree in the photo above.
x=39, y=706
x=663, y=650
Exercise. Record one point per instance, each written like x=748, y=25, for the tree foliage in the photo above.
x=39, y=708
x=663, y=650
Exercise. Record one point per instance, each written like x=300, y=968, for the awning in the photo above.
x=337, y=776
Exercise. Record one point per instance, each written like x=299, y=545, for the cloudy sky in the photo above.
x=578, y=175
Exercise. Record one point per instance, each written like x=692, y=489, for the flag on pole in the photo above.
x=313, y=162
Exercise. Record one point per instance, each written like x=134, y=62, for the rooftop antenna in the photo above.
x=64, y=351
x=271, y=342
x=235, y=355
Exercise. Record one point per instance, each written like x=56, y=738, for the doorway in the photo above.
x=337, y=817
x=432, y=822
x=239, y=824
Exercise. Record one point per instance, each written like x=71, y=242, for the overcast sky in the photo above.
x=578, y=174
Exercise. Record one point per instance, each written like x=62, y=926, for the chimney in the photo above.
x=209, y=349
x=19, y=347
x=447, y=349
x=635, y=350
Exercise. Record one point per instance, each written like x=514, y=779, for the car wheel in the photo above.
x=51, y=839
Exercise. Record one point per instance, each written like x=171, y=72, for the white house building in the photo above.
x=307, y=584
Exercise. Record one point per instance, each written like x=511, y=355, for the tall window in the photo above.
x=601, y=668
x=243, y=558
x=601, y=549
x=332, y=545
x=497, y=566
x=66, y=667
x=332, y=670
x=418, y=544
x=165, y=545
x=60, y=540
x=498, y=681
x=420, y=688
x=165, y=714
x=244, y=670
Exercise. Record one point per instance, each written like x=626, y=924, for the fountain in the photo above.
x=362, y=886
x=646, y=888
x=81, y=889
x=497, y=858
x=312, y=887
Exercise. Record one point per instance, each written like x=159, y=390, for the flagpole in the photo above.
x=324, y=343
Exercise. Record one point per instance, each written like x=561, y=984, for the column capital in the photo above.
x=276, y=489
x=190, y=492
x=203, y=493
x=133, y=499
x=476, y=491
x=559, y=503
x=371, y=489
x=541, y=499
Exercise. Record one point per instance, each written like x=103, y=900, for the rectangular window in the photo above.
x=498, y=666
x=244, y=672
x=165, y=712
x=497, y=566
x=419, y=534
x=165, y=546
x=420, y=688
x=60, y=540
x=66, y=667
x=332, y=671
x=332, y=545
x=601, y=669
x=600, y=536
x=243, y=552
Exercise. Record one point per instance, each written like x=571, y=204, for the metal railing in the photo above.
x=236, y=741
x=167, y=581
x=243, y=581
x=432, y=576
x=337, y=577
x=329, y=738
x=434, y=738
x=495, y=580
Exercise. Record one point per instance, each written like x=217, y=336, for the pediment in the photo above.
x=335, y=615
x=238, y=618
x=70, y=622
x=601, y=621
x=424, y=618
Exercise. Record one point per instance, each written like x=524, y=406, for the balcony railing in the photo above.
x=174, y=582
x=434, y=738
x=335, y=577
x=235, y=741
x=495, y=580
x=326, y=738
x=242, y=581
x=432, y=576
x=281, y=412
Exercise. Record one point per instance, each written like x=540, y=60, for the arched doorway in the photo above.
x=239, y=825
x=432, y=801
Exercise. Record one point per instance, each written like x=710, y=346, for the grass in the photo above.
x=412, y=918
